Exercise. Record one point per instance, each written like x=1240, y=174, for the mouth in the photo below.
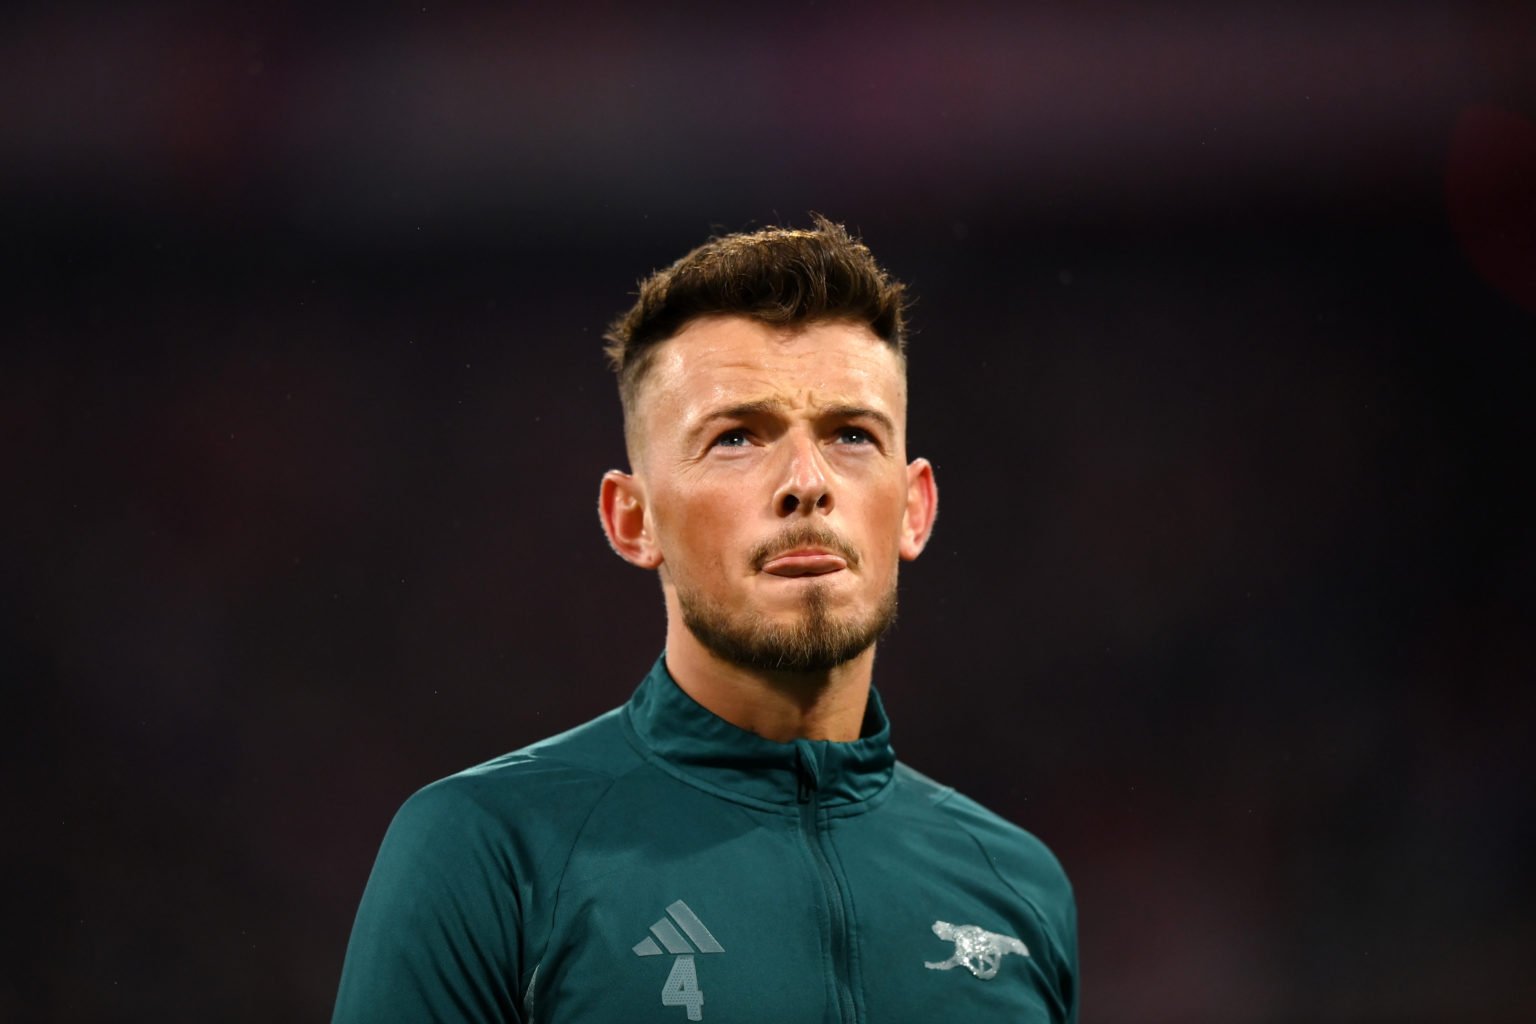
x=805, y=562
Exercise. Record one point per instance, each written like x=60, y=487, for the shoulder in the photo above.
x=529, y=799
x=460, y=893
x=1020, y=859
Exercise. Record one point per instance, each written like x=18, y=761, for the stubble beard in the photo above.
x=815, y=641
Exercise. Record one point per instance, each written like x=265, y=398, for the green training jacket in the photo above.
x=660, y=864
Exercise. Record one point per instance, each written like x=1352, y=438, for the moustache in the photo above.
x=805, y=535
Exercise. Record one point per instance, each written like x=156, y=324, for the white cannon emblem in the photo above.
x=977, y=950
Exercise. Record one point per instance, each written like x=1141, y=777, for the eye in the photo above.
x=854, y=435
x=732, y=439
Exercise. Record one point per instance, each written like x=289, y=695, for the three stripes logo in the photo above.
x=680, y=933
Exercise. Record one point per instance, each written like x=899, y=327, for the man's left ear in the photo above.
x=922, y=509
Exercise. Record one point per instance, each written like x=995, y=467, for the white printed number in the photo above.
x=682, y=988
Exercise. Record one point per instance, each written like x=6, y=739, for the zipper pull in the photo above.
x=805, y=773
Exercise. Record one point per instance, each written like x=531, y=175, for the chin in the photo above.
x=810, y=625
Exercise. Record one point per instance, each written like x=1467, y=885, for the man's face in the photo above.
x=778, y=501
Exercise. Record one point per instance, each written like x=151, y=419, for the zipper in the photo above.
x=809, y=795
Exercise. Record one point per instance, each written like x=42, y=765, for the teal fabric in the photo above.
x=525, y=889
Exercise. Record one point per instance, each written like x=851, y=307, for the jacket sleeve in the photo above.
x=437, y=935
x=1071, y=984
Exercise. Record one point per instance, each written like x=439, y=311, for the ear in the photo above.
x=922, y=509
x=621, y=507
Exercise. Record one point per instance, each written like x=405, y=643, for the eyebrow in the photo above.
x=859, y=412
x=745, y=410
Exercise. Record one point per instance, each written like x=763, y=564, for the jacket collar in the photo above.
x=704, y=750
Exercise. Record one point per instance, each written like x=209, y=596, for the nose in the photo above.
x=806, y=488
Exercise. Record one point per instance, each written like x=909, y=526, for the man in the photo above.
x=737, y=843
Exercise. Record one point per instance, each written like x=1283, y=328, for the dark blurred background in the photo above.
x=1224, y=355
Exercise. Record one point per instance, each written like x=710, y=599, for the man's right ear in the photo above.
x=621, y=506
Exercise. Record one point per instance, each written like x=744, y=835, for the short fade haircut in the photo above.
x=779, y=276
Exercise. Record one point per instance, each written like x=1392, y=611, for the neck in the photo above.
x=778, y=706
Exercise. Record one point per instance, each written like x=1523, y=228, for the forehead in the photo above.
x=724, y=361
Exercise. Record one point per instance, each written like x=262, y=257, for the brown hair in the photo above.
x=779, y=276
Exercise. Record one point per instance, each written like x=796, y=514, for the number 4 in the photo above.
x=682, y=988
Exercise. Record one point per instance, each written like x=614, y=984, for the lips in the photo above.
x=793, y=564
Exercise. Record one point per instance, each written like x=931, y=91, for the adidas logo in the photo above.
x=671, y=940
x=682, y=985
